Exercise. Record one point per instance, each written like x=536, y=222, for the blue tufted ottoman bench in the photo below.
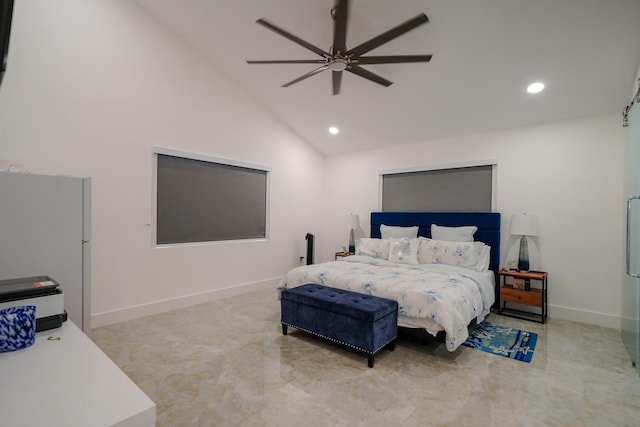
x=359, y=321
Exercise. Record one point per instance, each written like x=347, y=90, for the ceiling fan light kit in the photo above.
x=339, y=58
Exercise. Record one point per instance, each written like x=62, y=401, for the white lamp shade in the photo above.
x=354, y=221
x=525, y=225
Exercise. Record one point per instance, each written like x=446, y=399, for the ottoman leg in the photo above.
x=392, y=345
x=371, y=360
x=284, y=329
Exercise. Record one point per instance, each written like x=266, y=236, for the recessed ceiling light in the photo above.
x=535, y=87
x=334, y=130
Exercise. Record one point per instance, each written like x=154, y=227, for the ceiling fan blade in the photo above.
x=306, y=76
x=337, y=81
x=392, y=59
x=288, y=61
x=388, y=35
x=369, y=75
x=293, y=38
x=339, y=14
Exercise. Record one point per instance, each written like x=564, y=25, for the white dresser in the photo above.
x=66, y=383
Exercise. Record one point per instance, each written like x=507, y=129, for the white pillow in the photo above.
x=485, y=259
x=453, y=234
x=392, y=231
x=404, y=251
x=376, y=248
x=473, y=255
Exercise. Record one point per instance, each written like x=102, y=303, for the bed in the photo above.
x=439, y=296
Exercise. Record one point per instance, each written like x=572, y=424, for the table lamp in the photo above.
x=524, y=225
x=354, y=222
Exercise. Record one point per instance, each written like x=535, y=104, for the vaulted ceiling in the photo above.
x=485, y=53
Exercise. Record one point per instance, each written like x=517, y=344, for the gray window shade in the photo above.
x=465, y=189
x=199, y=201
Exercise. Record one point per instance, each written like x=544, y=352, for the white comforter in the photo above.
x=439, y=297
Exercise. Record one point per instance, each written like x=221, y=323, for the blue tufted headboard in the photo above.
x=488, y=224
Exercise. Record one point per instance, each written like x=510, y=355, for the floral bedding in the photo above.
x=447, y=298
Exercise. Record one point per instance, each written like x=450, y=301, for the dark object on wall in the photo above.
x=309, y=239
x=6, y=13
x=339, y=58
x=201, y=200
x=464, y=189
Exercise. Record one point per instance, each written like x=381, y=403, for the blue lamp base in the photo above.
x=523, y=256
x=352, y=241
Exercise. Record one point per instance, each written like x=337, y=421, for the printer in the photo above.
x=40, y=291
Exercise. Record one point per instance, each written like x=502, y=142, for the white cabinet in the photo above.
x=45, y=224
x=69, y=382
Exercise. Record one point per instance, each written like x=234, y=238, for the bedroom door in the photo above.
x=631, y=278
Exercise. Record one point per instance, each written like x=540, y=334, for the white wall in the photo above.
x=569, y=173
x=90, y=87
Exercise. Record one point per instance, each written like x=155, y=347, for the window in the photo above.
x=202, y=199
x=459, y=189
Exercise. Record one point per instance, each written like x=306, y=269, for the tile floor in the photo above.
x=227, y=363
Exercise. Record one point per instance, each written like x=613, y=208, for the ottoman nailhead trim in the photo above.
x=340, y=342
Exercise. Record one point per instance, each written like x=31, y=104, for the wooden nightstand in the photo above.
x=343, y=254
x=531, y=296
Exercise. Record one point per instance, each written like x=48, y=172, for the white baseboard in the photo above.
x=162, y=306
x=585, y=316
x=133, y=312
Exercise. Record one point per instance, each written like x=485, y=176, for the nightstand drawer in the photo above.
x=532, y=297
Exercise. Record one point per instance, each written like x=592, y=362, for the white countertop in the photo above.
x=68, y=382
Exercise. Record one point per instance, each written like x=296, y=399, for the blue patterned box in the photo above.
x=17, y=327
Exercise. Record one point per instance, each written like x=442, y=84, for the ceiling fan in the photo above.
x=339, y=58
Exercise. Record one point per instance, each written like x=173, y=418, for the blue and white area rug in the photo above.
x=506, y=342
